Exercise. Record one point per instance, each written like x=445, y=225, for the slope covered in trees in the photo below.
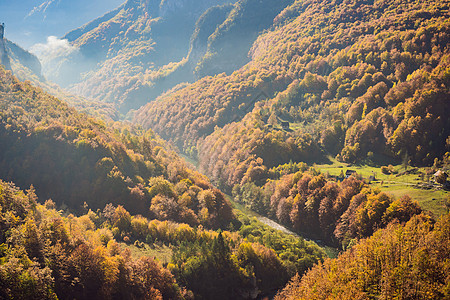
x=73, y=158
x=130, y=55
x=338, y=213
x=351, y=77
x=405, y=262
x=45, y=254
x=228, y=44
x=143, y=48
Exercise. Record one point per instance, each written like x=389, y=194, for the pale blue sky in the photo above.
x=31, y=21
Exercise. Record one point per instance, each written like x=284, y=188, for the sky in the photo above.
x=29, y=22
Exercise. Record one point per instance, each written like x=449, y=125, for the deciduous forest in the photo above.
x=229, y=149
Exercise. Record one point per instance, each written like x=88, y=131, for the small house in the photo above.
x=285, y=125
x=349, y=173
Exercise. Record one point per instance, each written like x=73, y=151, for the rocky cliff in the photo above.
x=4, y=59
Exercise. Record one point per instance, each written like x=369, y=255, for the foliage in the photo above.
x=408, y=261
x=352, y=78
x=44, y=255
x=73, y=158
x=335, y=212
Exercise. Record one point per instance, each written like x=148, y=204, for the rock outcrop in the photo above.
x=4, y=59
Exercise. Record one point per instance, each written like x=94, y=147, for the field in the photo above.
x=397, y=185
x=158, y=251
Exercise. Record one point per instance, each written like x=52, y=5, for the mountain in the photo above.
x=26, y=66
x=351, y=79
x=23, y=62
x=74, y=159
x=255, y=92
x=127, y=186
x=134, y=53
x=124, y=56
x=228, y=45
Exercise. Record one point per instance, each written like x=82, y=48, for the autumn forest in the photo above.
x=229, y=149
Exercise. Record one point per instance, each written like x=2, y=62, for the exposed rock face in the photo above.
x=4, y=59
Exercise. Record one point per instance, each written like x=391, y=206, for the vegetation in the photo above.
x=379, y=87
x=230, y=41
x=335, y=212
x=75, y=159
x=131, y=55
x=48, y=255
x=405, y=262
x=416, y=182
x=360, y=87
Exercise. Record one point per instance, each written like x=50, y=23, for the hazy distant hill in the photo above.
x=357, y=79
x=143, y=48
x=23, y=60
x=26, y=66
x=129, y=55
x=4, y=59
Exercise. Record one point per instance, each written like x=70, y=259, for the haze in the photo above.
x=31, y=21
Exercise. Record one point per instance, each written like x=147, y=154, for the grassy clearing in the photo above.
x=162, y=253
x=396, y=185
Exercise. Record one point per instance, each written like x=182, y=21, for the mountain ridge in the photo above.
x=347, y=89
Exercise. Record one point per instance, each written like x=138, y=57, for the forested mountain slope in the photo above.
x=351, y=77
x=27, y=67
x=228, y=44
x=50, y=254
x=406, y=262
x=131, y=54
x=4, y=59
x=143, y=48
x=125, y=186
x=73, y=159
x=23, y=60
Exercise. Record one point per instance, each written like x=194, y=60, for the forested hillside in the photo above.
x=143, y=48
x=73, y=158
x=49, y=254
x=405, y=262
x=228, y=44
x=352, y=79
x=130, y=55
x=336, y=212
x=44, y=255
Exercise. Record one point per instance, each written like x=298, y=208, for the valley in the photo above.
x=227, y=149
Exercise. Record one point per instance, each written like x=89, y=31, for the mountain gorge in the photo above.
x=190, y=149
x=144, y=48
x=129, y=55
x=350, y=78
